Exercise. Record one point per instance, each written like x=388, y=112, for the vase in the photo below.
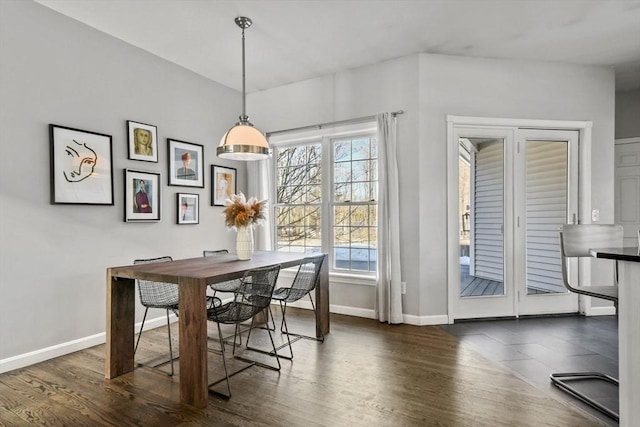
x=244, y=243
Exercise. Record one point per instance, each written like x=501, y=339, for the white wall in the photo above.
x=56, y=70
x=360, y=92
x=427, y=88
x=53, y=258
x=501, y=88
x=628, y=114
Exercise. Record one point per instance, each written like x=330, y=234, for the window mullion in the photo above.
x=327, y=198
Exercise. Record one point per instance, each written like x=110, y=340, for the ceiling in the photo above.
x=294, y=40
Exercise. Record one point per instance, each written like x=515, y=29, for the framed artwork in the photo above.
x=223, y=184
x=185, y=164
x=141, y=196
x=188, y=208
x=143, y=141
x=81, y=167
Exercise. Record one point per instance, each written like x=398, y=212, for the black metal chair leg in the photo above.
x=170, y=347
x=560, y=380
x=140, y=333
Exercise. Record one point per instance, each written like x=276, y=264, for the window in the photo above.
x=326, y=191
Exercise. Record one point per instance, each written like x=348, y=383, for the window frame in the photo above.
x=325, y=137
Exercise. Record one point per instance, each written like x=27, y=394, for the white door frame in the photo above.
x=584, y=187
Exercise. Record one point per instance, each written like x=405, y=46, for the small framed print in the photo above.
x=143, y=141
x=185, y=164
x=223, y=184
x=188, y=208
x=141, y=196
x=81, y=167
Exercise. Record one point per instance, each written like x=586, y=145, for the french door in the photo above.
x=516, y=187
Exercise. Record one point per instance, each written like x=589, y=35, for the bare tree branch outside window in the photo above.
x=353, y=202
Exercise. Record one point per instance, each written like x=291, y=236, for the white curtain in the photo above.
x=389, y=292
x=258, y=178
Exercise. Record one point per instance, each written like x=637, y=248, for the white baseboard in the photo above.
x=600, y=311
x=441, y=319
x=371, y=314
x=37, y=356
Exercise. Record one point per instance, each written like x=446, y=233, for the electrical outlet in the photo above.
x=403, y=288
x=595, y=215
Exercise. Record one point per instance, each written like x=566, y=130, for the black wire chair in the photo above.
x=227, y=285
x=252, y=297
x=157, y=295
x=576, y=240
x=303, y=284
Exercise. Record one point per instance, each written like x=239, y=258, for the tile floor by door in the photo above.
x=535, y=347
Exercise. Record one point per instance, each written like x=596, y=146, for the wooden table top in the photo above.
x=212, y=269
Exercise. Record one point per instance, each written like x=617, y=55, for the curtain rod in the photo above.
x=331, y=124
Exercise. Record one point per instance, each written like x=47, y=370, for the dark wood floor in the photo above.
x=533, y=348
x=364, y=374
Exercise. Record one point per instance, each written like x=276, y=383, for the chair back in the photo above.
x=256, y=287
x=306, y=277
x=577, y=239
x=219, y=252
x=157, y=294
x=250, y=298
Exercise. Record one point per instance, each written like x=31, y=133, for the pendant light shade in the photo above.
x=244, y=141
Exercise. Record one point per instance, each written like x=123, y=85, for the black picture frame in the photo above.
x=81, y=164
x=142, y=141
x=188, y=208
x=186, y=163
x=223, y=184
x=142, y=196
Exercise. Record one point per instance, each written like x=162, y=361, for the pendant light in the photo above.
x=244, y=141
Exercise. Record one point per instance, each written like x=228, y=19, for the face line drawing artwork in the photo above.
x=80, y=168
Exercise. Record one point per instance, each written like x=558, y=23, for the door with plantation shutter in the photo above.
x=516, y=188
x=546, y=172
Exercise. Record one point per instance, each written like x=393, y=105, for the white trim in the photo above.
x=441, y=319
x=598, y=311
x=371, y=314
x=518, y=123
x=37, y=356
x=460, y=122
x=335, y=278
x=628, y=140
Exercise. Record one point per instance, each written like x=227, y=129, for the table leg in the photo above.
x=193, y=342
x=120, y=323
x=322, y=301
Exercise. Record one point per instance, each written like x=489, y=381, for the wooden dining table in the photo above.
x=192, y=276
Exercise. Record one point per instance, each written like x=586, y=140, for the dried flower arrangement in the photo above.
x=240, y=212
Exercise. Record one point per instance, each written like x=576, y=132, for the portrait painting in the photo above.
x=187, y=208
x=185, y=164
x=143, y=141
x=81, y=166
x=142, y=196
x=223, y=184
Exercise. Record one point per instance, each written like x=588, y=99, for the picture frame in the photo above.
x=188, y=208
x=186, y=166
x=142, y=141
x=141, y=196
x=223, y=184
x=81, y=166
